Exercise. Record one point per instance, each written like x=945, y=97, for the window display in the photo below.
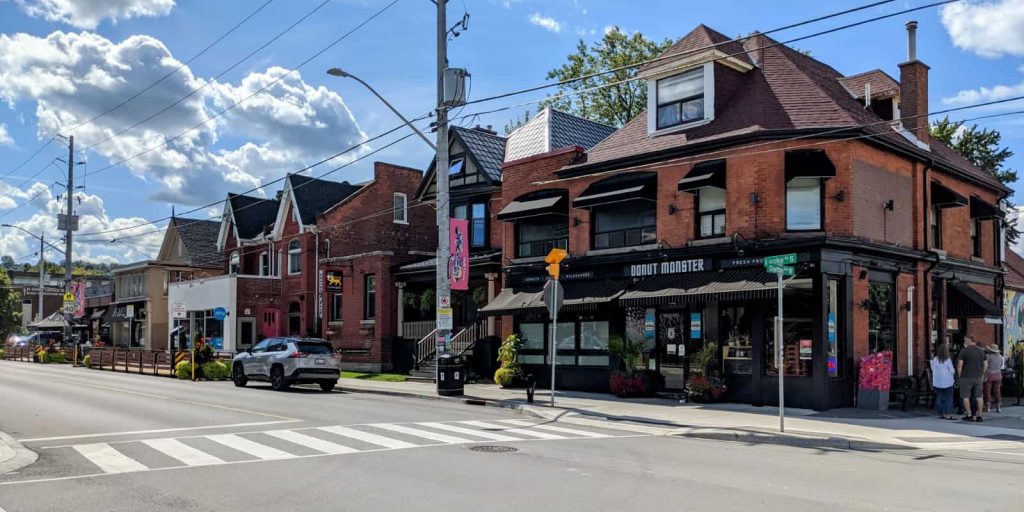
x=737, y=351
x=797, y=332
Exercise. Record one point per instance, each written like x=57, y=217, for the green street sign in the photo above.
x=782, y=259
x=786, y=271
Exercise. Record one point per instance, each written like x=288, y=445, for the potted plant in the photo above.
x=509, y=374
x=874, y=381
x=704, y=385
x=628, y=381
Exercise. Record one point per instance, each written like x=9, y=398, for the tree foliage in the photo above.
x=10, y=306
x=608, y=99
x=517, y=123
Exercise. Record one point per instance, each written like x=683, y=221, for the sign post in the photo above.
x=779, y=265
x=553, y=295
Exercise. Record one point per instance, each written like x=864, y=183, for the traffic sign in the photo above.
x=69, y=307
x=69, y=297
x=786, y=271
x=444, y=319
x=446, y=301
x=553, y=294
x=129, y=311
x=782, y=259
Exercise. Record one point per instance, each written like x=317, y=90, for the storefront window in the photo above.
x=832, y=329
x=593, y=337
x=532, y=351
x=737, y=350
x=881, y=317
x=797, y=332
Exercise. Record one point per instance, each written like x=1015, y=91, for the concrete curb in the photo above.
x=14, y=456
x=464, y=400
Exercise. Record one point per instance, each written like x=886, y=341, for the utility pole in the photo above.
x=68, y=230
x=42, y=271
x=441, y=174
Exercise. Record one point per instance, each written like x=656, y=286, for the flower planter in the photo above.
x=872, y=399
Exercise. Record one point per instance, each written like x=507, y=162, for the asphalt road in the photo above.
x=110, y=442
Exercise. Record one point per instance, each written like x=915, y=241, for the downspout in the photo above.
x=319, y=280
x=931, y=266
x=270, y=258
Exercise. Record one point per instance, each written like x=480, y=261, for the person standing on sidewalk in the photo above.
x=971, y=368
x=993, y=378
x=942, y=380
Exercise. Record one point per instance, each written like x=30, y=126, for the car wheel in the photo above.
x=238, y=376
x=277, y=380
x=327, y=386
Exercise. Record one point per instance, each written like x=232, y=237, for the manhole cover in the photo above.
x=494, y=449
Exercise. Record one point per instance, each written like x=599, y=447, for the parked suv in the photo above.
x=287, y=361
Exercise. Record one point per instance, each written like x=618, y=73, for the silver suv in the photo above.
x=287, y=361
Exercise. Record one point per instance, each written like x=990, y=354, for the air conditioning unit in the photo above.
x=455, y=87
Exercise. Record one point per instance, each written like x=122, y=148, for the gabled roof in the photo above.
x=251, y=214
x=882, y=85
x=700, y=39
x=486, y=148
x=553, y=129
x=314, y=196
x=1014, y=265
x=199, y=237
x=787, y=91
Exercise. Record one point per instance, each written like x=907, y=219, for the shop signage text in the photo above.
x=667, y=267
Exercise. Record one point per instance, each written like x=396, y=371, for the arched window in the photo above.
x=294, y=257
x=233, y=263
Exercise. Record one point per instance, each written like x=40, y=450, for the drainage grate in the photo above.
x=494, y=449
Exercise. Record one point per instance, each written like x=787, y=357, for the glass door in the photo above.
x=672, y=344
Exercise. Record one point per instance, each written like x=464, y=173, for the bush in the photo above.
x=56, y=357
x=183, y=370
x=504, y=377
x=2, y=353
x=216, y=370
x=85, y=361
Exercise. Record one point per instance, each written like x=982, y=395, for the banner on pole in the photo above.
x=458, y=264
x=78, y=289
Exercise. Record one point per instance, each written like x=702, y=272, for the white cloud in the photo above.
x=983, y=94
x=988, y=28
x=5, y=138
x=545, y=22
x=90, y=13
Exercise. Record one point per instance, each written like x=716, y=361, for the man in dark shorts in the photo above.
x=970, y=367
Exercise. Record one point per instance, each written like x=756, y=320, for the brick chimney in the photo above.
x=914, y=89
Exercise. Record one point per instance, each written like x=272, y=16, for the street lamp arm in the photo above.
x=33, y=235
x=343, y=74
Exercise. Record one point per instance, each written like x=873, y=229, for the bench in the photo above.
x=910, y=392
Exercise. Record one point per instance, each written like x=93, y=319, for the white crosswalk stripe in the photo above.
x=433, y=436
x=519, y=431
x=367, y=437
x=491, y=436
x=311, y=442
x=253, y=448
x=553, y=428
x=183, y=452
x=108, y=459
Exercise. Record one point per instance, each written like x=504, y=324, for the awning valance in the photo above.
x=945, y=197
x=681, y=288
x=511, y=301
x=96, y=315
x=968, y=302
x=54, y=321
x=578, y=296
x=809, y=163
x=625, y=187
x=704, y=174
x=519, y=209
x=983, y=210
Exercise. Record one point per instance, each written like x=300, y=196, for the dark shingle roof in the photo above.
x=787, y=90
x=200, y=240
x=252, y=214
x=314, y=196
x=882, y=85
x=487, y=148
x=700, y=39
x=1014, y=266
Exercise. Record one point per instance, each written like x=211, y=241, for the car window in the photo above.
x=261, y=346
x=278, y=346
x=308, y=347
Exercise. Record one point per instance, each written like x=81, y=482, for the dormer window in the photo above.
x=680, y=99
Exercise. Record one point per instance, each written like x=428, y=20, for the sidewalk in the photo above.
x=840, y=428
x=14, y=456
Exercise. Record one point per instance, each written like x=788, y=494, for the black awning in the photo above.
x=521, y=208
x=624, y=187
x=966, y=301
x=510, y=302
x=748, y=283
x=809, y=163
x=945, y=197
x=704, y=174
x=584, y=295
x=982, y=210
x=97, y=314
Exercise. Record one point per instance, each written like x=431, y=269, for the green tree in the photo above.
x=982, y=147
x=609, y=98
x=10, y=306
x=7, y=262
x=517, y=122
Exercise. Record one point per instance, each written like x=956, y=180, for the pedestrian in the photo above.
x=942, y=380
x=993, y=378
x=971, y=368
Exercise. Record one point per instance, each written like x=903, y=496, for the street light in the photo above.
x=338, y=72
x=42, y=261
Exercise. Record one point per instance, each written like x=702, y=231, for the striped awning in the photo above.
x=748, y=283
x=511, y=301
x=579, y=296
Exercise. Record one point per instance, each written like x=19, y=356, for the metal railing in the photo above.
x=426, y=347
x=462, y=341
x=417, y=330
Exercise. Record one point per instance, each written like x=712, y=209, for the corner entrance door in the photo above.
x=246, y=333
x=269, y=327
x=672, y=344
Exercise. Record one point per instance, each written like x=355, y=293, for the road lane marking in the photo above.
x=553, y=428
x=253, y=448
x=183, y=452
x=520, y=431
x=108, y=459
x=367, y=437
x=155, y=431
x=433, y=436
x=311, y=442
x=460, y=430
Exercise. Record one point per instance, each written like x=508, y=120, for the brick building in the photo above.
x=752, y=149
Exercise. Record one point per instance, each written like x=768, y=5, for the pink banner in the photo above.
x=78, y=288
x=458, y=263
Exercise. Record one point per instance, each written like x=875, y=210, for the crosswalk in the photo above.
x=215, y=449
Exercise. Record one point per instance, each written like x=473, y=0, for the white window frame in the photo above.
x=297, y=250
x=264, y=263
x=234, y=263
x=652, y=100
x=404, y=218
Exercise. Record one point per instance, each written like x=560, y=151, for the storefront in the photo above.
x=128, y=325
x=687, y=308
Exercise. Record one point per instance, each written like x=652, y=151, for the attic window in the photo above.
x=680, y=99
x=456, y=166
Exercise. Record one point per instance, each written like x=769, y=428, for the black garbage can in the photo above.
x=451, y=375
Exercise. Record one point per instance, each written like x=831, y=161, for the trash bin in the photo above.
x=451, y=375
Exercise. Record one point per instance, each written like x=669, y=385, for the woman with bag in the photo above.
x=994, y=378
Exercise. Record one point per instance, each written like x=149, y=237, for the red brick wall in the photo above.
x=956, y=222
x=299, y=288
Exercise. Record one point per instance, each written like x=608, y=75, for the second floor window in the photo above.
x=935, y=223
x=976, y=237
x=234, y=263
x=294, y=257
x=537, y=236
x=264, y=264
x=336, y=307
x=803, y=204
x=625, y=224
x=370, y=300
x=401, y=211
x=711, y=212
x=476, y=214
x=680, y=99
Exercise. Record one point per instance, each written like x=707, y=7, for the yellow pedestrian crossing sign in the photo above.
x=69, y=297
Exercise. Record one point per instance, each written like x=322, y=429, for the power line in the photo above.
x=243, y=100
x=206, y=83
x=29, y=159
x=171, y=73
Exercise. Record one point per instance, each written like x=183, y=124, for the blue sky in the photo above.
x=109, y=49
